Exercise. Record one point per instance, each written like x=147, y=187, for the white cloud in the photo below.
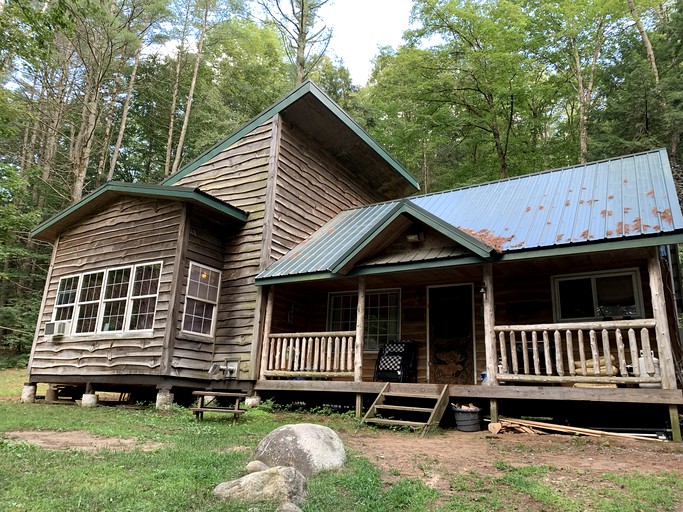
x=361, y=27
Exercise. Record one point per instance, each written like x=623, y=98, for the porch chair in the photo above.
x=396, y=362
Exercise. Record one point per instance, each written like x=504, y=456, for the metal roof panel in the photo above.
x=620, y=198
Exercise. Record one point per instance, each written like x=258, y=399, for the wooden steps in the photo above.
x=414, y=409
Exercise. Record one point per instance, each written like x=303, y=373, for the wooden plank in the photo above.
x=576, y=430
x=530, y=392
x=594, y=379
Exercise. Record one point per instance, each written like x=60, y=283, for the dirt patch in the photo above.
x=78, y=440
x=436, y=458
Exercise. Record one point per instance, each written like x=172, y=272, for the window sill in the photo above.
x=202, y=338
x=135, y=335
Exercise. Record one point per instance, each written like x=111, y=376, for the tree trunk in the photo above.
x=124, y=116
x=84, y=139
x=190, y=94
x=176, y=86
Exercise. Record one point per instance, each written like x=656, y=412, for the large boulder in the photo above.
x=307, y=447
x=277, y=484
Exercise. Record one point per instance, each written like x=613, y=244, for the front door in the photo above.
x=451, y=335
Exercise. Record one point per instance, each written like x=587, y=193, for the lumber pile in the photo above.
x=513, y=425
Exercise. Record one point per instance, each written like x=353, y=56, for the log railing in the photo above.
x=609, y=352
x=310, y=354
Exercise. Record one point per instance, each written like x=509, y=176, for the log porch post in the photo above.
x=490, y=336
x=666, y=360
x=265, y=341
x=358, y=347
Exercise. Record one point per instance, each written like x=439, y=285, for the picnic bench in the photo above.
x=208, y=402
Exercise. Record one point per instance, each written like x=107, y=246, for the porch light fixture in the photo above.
x=414, y=238
x=483, y=288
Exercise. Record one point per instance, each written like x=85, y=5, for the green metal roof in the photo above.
x=307, y=89
x=342, y=239
x=50, y=229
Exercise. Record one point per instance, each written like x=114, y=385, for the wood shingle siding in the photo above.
x=126, y=232
x=312, y=188
x=238, y=176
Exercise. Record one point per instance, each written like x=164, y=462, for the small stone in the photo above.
x=255, y=466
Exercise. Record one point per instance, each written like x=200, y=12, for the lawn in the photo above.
x=176, y=462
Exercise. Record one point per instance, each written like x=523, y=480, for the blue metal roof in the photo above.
x=618, y=199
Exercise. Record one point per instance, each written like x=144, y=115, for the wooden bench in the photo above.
x=206, y=405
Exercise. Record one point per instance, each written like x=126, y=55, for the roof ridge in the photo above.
x=539, y=173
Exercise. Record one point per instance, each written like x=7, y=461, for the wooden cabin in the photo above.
x=290, y=255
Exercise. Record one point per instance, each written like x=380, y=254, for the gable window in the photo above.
x=382, y=308
x=201, y=299
x=601, y=296
x=107, y=301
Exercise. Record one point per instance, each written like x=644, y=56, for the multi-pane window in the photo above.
x=610, y=295
x=382, y=315
x=201, y=299
x=144, y=296
x=66, y=298
x=89, y=302
x=107, y=300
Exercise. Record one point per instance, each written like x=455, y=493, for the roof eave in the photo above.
x=306, y=88
x=48, y=230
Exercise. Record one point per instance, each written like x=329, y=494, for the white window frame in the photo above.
x=101, y=302
x=202, y=300
x=634, y=273
x=353, y=294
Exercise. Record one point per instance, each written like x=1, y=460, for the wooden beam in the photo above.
x=666, y=360
x=360, y=343
x=265, y=340
x=489, y=324
x=559, y=393
x=175, y=293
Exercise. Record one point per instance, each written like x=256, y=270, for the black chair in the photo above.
x=396, y=362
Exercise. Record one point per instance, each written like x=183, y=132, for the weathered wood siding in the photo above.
x=128, y=231
x=312, y=187
x=193, y=354
x=238, y=176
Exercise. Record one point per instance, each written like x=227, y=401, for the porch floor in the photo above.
x=527, y=392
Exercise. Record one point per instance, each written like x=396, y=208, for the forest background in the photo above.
x=132, y=90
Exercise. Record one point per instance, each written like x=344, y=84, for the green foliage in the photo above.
x=22, y=264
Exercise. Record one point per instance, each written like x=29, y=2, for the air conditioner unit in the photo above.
x=57, y=329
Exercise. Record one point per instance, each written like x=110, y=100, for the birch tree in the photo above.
x=306, y=38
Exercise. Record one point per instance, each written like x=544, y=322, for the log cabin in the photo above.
x=289, y=256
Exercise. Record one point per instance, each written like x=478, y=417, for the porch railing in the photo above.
x=310, y=354
x=609, y=352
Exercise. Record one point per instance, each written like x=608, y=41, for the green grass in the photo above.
x=191, y=458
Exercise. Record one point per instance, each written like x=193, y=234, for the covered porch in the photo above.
x=498, y=321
